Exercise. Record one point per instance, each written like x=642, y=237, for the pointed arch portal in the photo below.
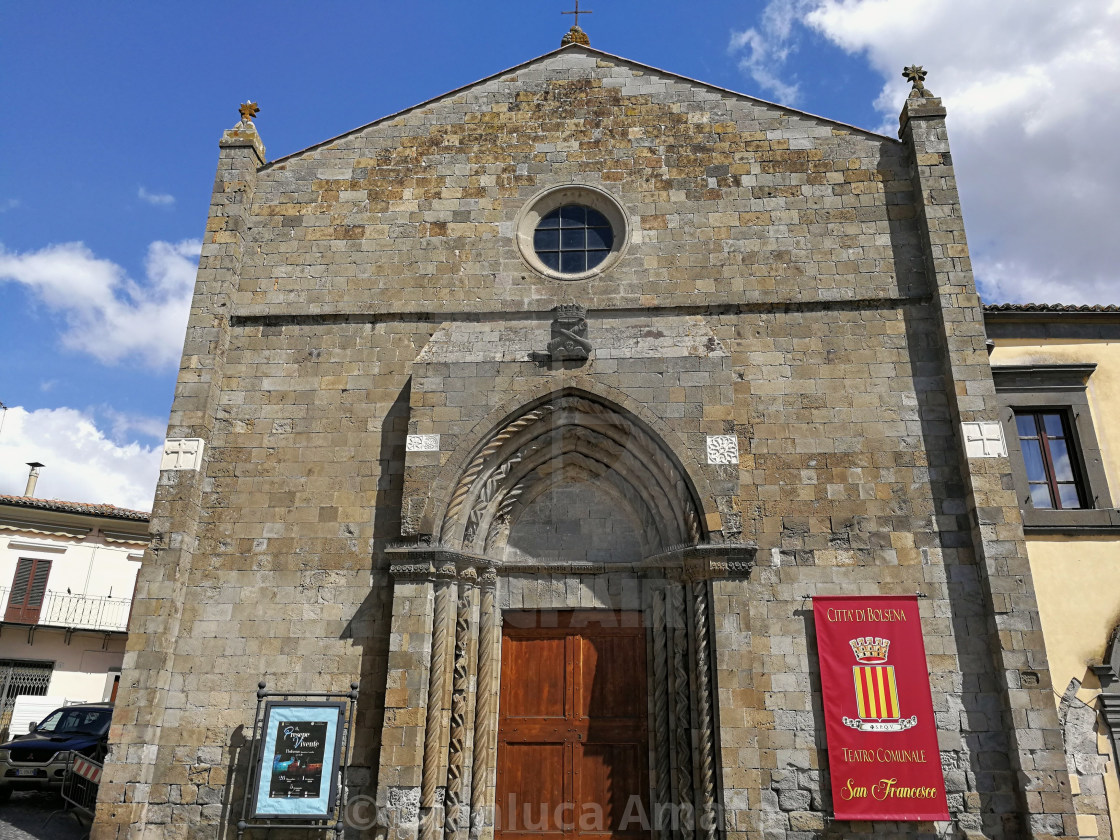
x=547, y=472
x=571, y=507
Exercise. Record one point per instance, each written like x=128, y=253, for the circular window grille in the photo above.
x=572, y=232
x=573, y=239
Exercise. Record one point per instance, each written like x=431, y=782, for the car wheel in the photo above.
x=5, y=793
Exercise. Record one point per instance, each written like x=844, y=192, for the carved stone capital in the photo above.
x=705, y=562
x=447, y=570
x=421, y=562
x=411, y=571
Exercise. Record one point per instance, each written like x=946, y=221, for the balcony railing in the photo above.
x=78, y=612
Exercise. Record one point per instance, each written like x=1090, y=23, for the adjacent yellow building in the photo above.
x=1057, y=371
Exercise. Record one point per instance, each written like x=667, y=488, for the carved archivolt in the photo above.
x=580, y=438
x=466, y=482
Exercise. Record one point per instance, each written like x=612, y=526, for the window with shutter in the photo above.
x=29, y=587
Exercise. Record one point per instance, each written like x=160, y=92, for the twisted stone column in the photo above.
x=661, y=723
x=437, y=680
x=706, y=795
x=456, y=748
x=682, y=709
x=484, y=701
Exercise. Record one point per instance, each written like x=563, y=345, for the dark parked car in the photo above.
x=37, y=761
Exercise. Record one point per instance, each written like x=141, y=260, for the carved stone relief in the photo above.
x=421, y=443
x=569, y=333
x=723, y=449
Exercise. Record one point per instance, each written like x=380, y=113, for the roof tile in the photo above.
x=76, y=507
x=1050, y=307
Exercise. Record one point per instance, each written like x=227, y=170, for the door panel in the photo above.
x=532, y=774
x=610, y=775
x=572, y=733
x=611, y=666
x=541, y=684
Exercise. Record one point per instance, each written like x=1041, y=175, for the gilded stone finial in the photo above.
x=916, y=75
x=248, y=111
x=245, y=133
x=575, y=35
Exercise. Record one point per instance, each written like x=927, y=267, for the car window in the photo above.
x=75, y=721
x=50, y=721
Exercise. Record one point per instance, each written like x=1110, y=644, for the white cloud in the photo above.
x=769, y=44
x=107, y=314
x=123, y=424
x=1028, y=85
x=158, y=199
x=82, y=463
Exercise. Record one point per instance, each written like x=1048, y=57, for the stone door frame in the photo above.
x=441, y=714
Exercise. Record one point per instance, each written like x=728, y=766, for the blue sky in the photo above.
x=114, y=112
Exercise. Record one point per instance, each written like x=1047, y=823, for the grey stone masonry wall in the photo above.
x=1029, y=719
x=729, y=200
x=393, y=451
x=148, y=775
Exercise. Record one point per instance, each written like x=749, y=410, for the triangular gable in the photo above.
x=646, y=68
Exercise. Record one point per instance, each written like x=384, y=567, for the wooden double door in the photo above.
x=573, y=740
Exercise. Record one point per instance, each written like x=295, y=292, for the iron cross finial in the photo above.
x=249, y=110
x=916, y=75
x=577, y=12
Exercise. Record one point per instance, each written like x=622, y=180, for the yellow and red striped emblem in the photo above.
x=876, y=692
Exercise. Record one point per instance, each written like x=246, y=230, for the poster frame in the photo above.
x=336, y=708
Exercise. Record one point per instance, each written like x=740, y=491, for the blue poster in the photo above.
x=299, y=760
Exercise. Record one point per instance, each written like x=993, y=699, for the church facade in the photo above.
x=542, y=411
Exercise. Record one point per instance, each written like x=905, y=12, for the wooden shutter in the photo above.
x=29, y=587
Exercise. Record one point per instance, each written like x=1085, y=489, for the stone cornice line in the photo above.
x=270, y=314
x=686, y=563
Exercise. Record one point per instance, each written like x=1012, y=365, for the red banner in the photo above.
x=882, y=741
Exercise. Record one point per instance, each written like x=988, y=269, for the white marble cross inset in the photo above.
x=984, y=440
x=182, y=454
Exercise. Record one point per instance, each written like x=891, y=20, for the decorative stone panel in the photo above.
x=723, y=449
x=421, y=443
x=182, y=454
x=984, y=439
